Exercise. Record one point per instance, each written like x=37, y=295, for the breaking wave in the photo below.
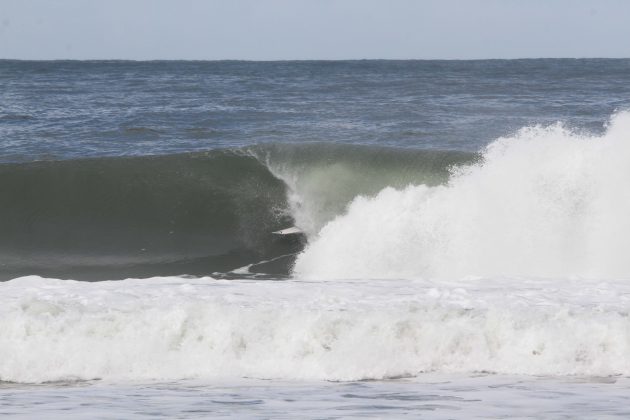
x=193, y=214
x=512, y=261
x=546, y=202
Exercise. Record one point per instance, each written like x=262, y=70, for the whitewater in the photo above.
x=547, y=202
x=174, y=329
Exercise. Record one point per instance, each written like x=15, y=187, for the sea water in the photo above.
x=463, y=256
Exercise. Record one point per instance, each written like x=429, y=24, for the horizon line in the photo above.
x=245, y=60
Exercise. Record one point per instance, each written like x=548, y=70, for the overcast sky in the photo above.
x=313, y=29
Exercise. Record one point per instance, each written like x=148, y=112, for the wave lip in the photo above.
x=172, y=328
x=545, y=202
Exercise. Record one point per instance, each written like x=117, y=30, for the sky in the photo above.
x=313, y=29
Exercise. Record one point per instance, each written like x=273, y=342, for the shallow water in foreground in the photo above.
x=427, y=396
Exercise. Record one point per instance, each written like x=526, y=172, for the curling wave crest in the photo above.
x=547, y=202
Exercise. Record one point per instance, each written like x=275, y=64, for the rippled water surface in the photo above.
x=428, y=396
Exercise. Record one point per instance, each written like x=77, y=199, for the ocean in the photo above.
x=464, y=245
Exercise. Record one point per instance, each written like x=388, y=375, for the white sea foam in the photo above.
x=545, y=202
x=173, y=328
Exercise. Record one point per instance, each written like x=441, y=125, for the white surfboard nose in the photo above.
x=288, y=231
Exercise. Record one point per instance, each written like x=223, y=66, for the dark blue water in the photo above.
x=68, y=109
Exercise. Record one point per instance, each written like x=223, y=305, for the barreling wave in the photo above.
x=546, y=202
x=195, y=213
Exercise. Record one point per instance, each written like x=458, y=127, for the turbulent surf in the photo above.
x=173, y=328
x=436, y=249
x=546, y=202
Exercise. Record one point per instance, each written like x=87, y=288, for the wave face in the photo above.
x=194, y=214
x=547, y=202
x=120, y=217
x=173, y=328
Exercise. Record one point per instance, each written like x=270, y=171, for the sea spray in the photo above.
x=545, y=202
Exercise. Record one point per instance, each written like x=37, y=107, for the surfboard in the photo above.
x=288, y=231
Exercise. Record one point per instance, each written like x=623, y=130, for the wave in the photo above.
x=546, y=202
x=120, y=217
x=322, y=179
x=173, y=328
x=195, y=214
x=511, y=262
